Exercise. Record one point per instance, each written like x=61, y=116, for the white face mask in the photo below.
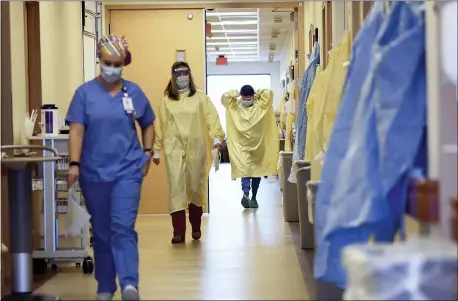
x=247, y=102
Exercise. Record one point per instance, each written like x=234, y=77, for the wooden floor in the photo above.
x=244, y=254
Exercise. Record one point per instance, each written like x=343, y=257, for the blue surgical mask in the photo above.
x=110, y=74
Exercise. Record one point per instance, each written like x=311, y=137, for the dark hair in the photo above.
x=171, y=90
x=247, y=90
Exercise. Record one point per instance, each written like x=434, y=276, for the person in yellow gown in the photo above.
x=187, y=129
x=252, y=138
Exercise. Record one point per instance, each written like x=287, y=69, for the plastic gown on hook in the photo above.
x=301, y=128
x=323, y=103
x=377, y=136
x=290, y=117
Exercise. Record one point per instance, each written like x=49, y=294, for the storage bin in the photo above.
x=306, y=228
x=290, y=208
x=312, y=190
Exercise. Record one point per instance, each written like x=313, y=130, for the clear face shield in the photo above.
x=181, y=77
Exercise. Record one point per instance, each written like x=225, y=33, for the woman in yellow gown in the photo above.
x=187, y=128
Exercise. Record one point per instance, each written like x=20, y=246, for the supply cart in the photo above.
x=55, y=247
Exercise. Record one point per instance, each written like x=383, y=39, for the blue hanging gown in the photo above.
x=301, y=130
x=377, y=138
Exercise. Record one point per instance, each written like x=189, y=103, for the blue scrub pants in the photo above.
x=252, y=183
x=113, y=207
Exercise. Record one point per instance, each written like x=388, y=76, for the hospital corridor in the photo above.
x=244, y=254
x=229, y=150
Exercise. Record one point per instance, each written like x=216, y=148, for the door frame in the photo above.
x=297, y=6
x=299, y=19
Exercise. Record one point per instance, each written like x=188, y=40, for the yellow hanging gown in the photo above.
x=282, y=112
x=185, y=132
x=252, y=135
x=323, y=103
x=290, y=118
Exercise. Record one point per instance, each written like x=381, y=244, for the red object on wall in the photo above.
x=208, y=29
x=221, y=60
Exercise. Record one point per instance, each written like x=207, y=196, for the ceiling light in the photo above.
x=233, y=38
x=244, y=22
x=236, y=48
x=231, y=43
x=234, y=53
x=234, y=31
x=231, y=14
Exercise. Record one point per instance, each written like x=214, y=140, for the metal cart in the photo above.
x=52, y=181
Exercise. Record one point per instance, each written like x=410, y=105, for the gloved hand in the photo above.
x=234, y=93
x=156, y=158
x=219, y=146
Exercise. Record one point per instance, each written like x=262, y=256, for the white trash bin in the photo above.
x=307, y=236
x=290, y=207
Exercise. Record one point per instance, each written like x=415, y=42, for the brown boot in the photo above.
x=179, y=227
x=195, y=218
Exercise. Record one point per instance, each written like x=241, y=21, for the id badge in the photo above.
x=128, y=105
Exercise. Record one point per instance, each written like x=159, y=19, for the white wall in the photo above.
x=61, y=57
x=272, y=68
x=61, y=51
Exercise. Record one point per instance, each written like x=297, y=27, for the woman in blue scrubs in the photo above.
x=109, y=161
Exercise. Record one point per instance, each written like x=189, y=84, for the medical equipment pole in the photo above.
x=20, y=217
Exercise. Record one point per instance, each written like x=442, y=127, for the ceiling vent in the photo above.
x=278, y=19
x=272, y=47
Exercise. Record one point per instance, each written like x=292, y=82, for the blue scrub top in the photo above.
x=111, y=149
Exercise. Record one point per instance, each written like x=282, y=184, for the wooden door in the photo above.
x=154, y=36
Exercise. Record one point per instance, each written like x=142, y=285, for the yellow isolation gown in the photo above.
x=290, y=117
x=185, y=131
x=323, y=103
x=282, y=112
x=252, y=135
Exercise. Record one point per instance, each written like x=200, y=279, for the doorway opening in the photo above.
x=246, y=46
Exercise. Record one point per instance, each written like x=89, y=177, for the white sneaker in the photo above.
x=105, y=296
x=130, y=293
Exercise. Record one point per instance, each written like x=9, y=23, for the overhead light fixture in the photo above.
x=235, y=56
x=235, y=31
x=212, y=14
x=236, y=48
x=236, y=59
x=235, y=53
x=244, y=22
x=233, y=38
x=231, y=43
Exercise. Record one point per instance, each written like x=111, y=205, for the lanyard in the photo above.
x=124, y=90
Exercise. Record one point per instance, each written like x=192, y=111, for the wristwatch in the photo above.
x=74, y=163
x=148, y=150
